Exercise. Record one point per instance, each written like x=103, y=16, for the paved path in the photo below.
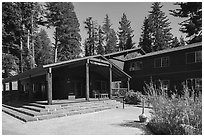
x=109, y=122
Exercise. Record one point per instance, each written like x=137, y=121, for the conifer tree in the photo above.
x=110, y=37
x=91, y=41
x=43, y=50
x=159, y=27
x=175, y=42
x=100, y=44
x=124, y=30
x=111, y=45
x=182, y=41
x=20, y=22
x=62, y=17
x=145, y=40
x=192, y=26
x=107, y=28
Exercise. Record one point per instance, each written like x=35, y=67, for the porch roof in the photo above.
x=42, y=70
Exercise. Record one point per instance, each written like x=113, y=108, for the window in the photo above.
x=135, y=65
x=7, y=86
x=165, y=84
x=198, y=83
x=194, y=57
x=165, y=61
x=199, y=56
x=161, y=62
x=194, y=83
x=162, y=83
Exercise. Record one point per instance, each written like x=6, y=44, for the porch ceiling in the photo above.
x=104, y=71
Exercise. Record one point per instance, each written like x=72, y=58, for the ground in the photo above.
x=109, y=122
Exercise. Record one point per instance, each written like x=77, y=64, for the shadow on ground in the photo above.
x=136, y=124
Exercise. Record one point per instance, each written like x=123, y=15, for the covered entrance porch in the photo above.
x=88, y=77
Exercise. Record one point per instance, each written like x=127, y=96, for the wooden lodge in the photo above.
x=94, y=76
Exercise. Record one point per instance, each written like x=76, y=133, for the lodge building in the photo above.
x=171, y=67
x=95, y=76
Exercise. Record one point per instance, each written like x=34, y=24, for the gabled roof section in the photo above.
x=43, y=69
x=124, y=52
x=198, y=44
x=114, y=65
x=69, y=61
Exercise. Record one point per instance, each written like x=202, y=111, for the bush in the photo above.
x=175, y=115
x=132, y=97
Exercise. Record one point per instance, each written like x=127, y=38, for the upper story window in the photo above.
x=194, y=57
x=135, y=66
x=161, y=62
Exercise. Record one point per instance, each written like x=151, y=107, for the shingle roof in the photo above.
x=168, y=50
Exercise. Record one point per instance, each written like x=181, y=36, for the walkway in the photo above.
x=109, y=122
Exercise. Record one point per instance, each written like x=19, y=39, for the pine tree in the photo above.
x=18, y=19
x=145, y=40
x=124, y=30
x=91, y=41
x=107, y=27
x=62, y=17
x=110, y=37
x=111, y=45
x=182, y=41
x=175, y=42
x=43, y=49
x=100, y=44
x=159, y=28
x=192, y=26
x=129, y=43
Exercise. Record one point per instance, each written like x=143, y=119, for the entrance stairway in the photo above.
x=38, y=111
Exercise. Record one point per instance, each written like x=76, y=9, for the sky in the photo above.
x=135, y=12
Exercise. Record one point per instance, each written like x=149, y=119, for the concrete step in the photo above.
x=34, y=108
x=19, y=115
x=27, y=111
x=35, y=111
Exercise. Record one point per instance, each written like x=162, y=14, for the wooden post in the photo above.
x=87, y=80
x=49, y=86
x=10, y=91
x=30, y=92
x=19, y=90
x=4, y=87
x=128, y=84
x=110, y=78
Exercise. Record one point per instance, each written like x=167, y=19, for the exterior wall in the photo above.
x=33, y=88
x=177, y=71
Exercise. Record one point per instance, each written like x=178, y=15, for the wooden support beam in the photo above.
x=121, y=60
x=128, y=84
x=4, y=87
x=49, y=86
x=19, y=90
x=10, y=91
x=110, y=78
x=30, y=89
x=87, y=80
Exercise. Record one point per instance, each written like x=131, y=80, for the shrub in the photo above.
x=175, y=115
x=120, y=92
x=132, y=97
